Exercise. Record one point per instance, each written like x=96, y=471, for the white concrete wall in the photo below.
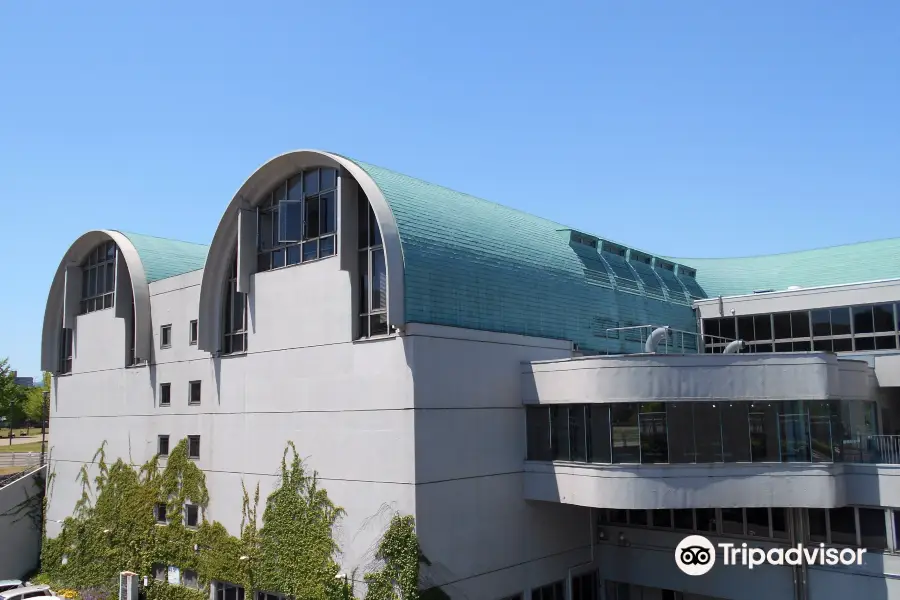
x=20, y=528
x=345, y=404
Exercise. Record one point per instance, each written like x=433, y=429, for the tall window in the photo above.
x=98, y=279
x=235, y=315
x=65, y=350
x=297, y=221
x=372, y=274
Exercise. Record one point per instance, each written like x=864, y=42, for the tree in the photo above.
x=12, y=396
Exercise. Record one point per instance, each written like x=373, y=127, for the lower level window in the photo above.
x=235, y=316
x=227, y=591
x=193, y=446
x=553, y=591
x=65, y=350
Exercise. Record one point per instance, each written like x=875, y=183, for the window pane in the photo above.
x=577, y=433
x=802, y=346
x=842, y=345
x=362, y=221
x=896, y=516
x=326, y=246
x=263, y=262
x=706, y=519
x=843, y=526
x=537, y=425
x=779, y=523
x=266, y=234
x=310, y=250
x=727, y=328
x=328, y=179
x=733, y=521
x=884, y=317
x=238, y=304
x=654, y=442
x=559, y=435
x=817, y=528
x=782, y=325
x=840, y=321
x=764, y=432
x=711, y=327
x=292, y=255
x=708, y=432
x=295, y=185
x=363, y=282
x=886, y=342
x=378, y=324
x=374, y=231
x=662, y=518
x=783, y=346
x=290, y=221
x=680, y=422
x=820, y=435
x=863, y=320
x=800, y=324
x=637, y=517
x=599, y=427
x=745, y=329
x=92, y=282
x=872, y=529
x=684, y=519
x=735, y=432
x=821, y=323
x=763, y=327
x=625, y=438
x=758, y=522
x=238, y=342
x=823, y=346
x=277, y=259
x=864, y=343
x=364, y=326
x=311, y=182
x=794, y=428
x=311, y=227
x=379, y=280
x=327, y=217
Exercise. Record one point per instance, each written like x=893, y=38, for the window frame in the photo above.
x=165, y=392
x=66, y=351
x=191, y=384
x=187, y=523
x=161, y=508
x=193, y=332
x=160, y=441
x=165, y=336
x=229, y=332
x=190, y=440
x=96, y=264
x=366, y=315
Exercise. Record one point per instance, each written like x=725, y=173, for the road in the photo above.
x=22, y=440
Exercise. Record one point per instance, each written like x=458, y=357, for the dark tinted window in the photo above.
x=884, y=317
x=191, y=515
x=817, y=524
x=885, y=342
x=733, y=521
x=559, y=432
x=708, y=432
x=537, y=424
x=840, y=321
x=758, y=522
x=577, y=433
x=843, y=345
x=863, y=321
x=163, y=445
x=779, y=523
x=662, y=518
x=706, y=519
x=843, y=526
x=782, y=325
x=821, y=323
x=726, y=328
x=684, y=519
x=735, y=432
x=599, y=438
x=654, y=438
x=680, y=421
x=625, y=438
x=872, y=530
x=800, y=324
x=193, y=446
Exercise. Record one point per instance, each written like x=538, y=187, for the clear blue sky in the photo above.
x=686, y=128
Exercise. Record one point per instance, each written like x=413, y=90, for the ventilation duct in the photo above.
x=734, y=347
x=659, y=334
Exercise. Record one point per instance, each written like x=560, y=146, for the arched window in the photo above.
x=372, y=274
x=235, y=315
x=297, y=221
x=98, y=279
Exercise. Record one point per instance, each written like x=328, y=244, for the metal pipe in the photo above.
x=734, y=347
x=659, y=334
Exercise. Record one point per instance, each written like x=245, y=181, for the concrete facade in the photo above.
x=20, y=522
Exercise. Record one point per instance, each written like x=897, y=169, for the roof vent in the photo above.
x=734, y=347
x=659, y=334
x=791, y=288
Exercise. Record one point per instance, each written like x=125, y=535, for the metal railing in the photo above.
x=20, y=459
x=674, y=343
x=879, y=449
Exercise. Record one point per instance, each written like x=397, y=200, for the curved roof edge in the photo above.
x=164, y=258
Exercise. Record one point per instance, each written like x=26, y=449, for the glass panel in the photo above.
x=802, y=346
x=863, y=319
x=263, y=262
x=654, y=443
x=779, y=523
x=559, y=432
x=840, y=321
x=794, y=427
x=328, y=179
x=800, y=324
x=884, y=317
x=364, y=282
x=110, y=251
x=237, y=321
x=379, y=280
x=92, y=282
x=726, y=328
x=763, y=348
x=872, y=529
x=758, y=522
x=735, y=432
x=84, y=284
x=537, y=425
x=374, y=231
x=599, y=427
x=763, y=327
x=577, y=433
x=618, y=516
x=820, y=432
x=292, y=254
x=626, y=441
x=379, y=324
x=886, y=342
x=290, y=221
x=277, y=258
x=265, y=230
x=107, y=301
x=662, y=518
x=326, y=246
x=782, y=325
x=708, y=432
x=110, y=277
x=896, y=516
x=783, y=346
x=745, y=329
x=764, y=432
x=327, y=218
x=311, y=182
x=711, y=327
x=364, y=326
x=295, y=189
x=821, y=323
x=310, y=250
x=680, y=422
x=823, y=346
x=311, y=226
x=733, y=521
x=842, y=345
x=637, y=517
x=817, y=525
x=843, y=525
x=362, y=221
x=706, y=519
x=684, y=519
x=864, y=343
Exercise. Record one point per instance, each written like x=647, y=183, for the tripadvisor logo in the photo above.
x=696, y=555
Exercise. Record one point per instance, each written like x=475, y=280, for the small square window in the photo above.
x=162, y=445
x=194, y=393
x=190, y=580
x=193, y=446
x=160, y=512
x=191, y=515
x=165, y=336
x=193, y=333
x=159, y=572
x=165, y=394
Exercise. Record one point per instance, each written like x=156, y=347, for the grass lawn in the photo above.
x=29, y=447
x=10, y=470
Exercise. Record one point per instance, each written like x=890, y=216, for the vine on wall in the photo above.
x=113, y=528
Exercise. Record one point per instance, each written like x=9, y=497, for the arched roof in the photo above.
x=163, y=258
x=835, y=265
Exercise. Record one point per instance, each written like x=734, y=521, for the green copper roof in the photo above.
x=851, y=263
x=480, y=265
x=164, y=258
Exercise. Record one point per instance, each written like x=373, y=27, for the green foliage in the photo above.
x=12, y=395
x=113, y=528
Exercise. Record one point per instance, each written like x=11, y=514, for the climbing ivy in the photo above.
x=113, y=528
